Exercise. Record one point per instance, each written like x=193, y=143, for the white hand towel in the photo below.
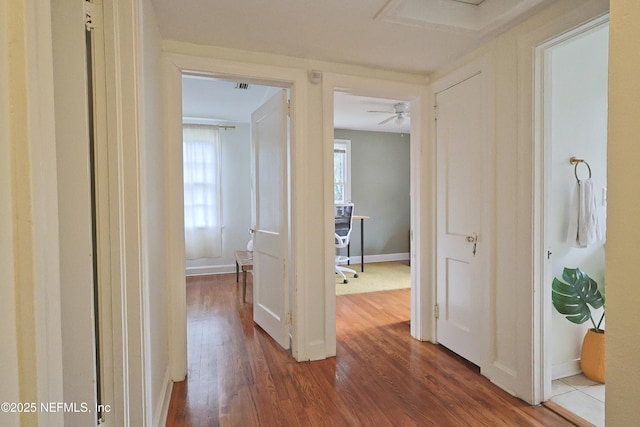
x=584, y=227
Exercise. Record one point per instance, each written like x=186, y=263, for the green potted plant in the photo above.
x=575, y=299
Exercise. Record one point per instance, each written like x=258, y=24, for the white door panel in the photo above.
x=270, y=282
x=461, y=287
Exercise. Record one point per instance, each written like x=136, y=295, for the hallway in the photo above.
x=380, y=377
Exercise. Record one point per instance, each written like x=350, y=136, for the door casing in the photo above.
x=422, y=206
x=542, y=266
x=175, y=65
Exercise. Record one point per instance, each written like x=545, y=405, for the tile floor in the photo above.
x=581, y=396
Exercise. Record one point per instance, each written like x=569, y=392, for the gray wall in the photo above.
x=236, y=200
x=380, y=180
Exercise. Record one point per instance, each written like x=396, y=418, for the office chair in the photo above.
x=343, y=217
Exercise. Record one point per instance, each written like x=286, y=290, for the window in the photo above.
x=341, y=170
x=201, y=167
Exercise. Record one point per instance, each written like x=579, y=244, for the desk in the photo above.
x=244, y=260
x=361, y=218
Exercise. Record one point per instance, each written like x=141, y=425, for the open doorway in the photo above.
x=420, y=299
x=235, y=190
x=372, y=171
x=573, y=126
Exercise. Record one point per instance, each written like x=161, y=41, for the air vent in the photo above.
x=242, y=86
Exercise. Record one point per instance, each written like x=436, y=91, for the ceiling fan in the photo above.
x=399, y=112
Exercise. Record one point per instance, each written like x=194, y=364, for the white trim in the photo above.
x=421, y=204
x=206, y=270
x=563, y=370
x=162, y=410
x=175, y=65
x=127, y=375
x=172, y=77
x=347, y=188
x=32, y=194
x=530, y=201
x=542, y=157
x=210, y=269
x=110, y=394
x=74, y=179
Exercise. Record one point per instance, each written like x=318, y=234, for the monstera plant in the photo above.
x=575, y=299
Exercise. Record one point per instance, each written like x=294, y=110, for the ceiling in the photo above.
x=416, y=36
x=223, y=101
x=220, y=100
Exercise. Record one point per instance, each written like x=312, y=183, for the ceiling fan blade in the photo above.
x=379, y=111
x=387, y=120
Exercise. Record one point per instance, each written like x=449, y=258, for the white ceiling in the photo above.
x=416, y=36
x=406, y=35
x=207, y=98
x=353, y=112
x=221, y=101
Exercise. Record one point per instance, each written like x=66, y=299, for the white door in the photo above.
x=269, y=138
x=462, y=290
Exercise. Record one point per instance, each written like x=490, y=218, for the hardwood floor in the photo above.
x=381, y=376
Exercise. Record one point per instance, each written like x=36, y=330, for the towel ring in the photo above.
x=575, y=161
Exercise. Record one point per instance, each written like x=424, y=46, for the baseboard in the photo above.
x=231, y=268
x=566, y=369
x=404, y=256
x=317, y=350
x=162, y=410
x=210, y=269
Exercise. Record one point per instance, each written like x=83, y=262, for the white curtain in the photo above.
x=201, y=164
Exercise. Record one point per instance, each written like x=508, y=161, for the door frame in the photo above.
x=422, y=202
x=542, y=181
x=174, y=66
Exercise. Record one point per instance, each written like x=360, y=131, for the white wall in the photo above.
x=623, y=291
x=514, y=307
x=9, y=368
x=154, y=223
x=29, y=224
x=236, y=201
x=576, y=86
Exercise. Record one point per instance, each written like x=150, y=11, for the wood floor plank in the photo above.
x=238, y=376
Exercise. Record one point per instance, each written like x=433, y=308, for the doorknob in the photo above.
x=473, y=239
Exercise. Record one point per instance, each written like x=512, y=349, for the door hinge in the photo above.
x=91, y=15
x=436, y=311
x=435, y=112
x=289, y=107
x=289, y=320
